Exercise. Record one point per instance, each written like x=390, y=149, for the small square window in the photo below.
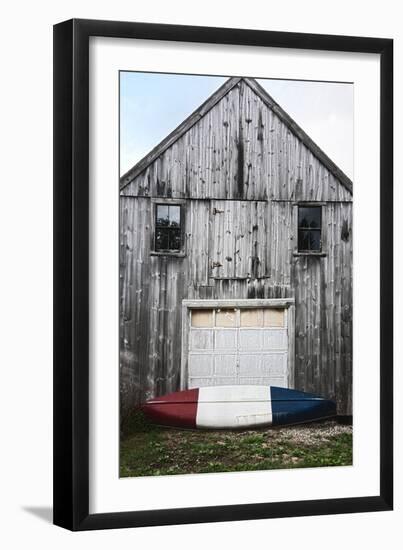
x=202, y=318
x=251, y=317
x=309, y=228
x=273, y=317
x=225, y=318
x=168, y=228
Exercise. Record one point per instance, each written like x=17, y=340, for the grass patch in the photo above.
x=148, y=450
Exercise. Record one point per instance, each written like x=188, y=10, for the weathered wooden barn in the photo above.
x=236, y=256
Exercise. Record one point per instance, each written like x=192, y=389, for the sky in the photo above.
x=152, y=105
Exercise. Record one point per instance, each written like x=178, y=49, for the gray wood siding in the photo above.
x=153, y=287
x=240, y=149
x=238, y=247
x=241, y=160
x=323, y=326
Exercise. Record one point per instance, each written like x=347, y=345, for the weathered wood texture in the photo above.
x=239, y=149
x=238, y=243
x=241, y=171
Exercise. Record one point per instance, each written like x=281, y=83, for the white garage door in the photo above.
x=238, y=346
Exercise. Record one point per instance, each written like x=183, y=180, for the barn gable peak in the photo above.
x=201, y=111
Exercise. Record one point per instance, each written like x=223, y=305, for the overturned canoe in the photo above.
x=220, y=407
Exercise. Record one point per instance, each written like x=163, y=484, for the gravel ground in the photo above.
x=311, y=434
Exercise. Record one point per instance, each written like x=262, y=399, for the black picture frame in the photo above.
x=71, y=274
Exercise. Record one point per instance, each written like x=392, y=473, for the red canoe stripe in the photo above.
x=171, y=411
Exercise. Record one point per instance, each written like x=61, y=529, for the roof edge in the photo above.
x=300, y=133
x=190, y=121
x=194, y=117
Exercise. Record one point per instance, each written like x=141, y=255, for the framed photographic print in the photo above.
x=223, y=303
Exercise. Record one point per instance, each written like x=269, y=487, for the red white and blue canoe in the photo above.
x=220, y=407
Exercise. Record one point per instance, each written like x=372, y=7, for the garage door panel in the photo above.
x=250, y=339
x=225, y=381
x=200, y=382
x=226, y=339
x=250, y=365
x=225, y=365
x=262, y=365
x=264, y=381
x=201, y=339
x=274, y=339
x=200, y=364
x=274, y=364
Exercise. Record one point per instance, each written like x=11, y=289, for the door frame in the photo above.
x=279, y=303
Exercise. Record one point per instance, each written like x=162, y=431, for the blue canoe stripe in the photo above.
x=293, y=406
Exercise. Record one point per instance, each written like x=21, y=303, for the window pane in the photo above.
x=303, y=240
x=273, y=317
x=168, y=229
x=202, y=318
x=309, y=240
x=162, y=215
x=161, y=238
x=309, y=217
x=175, y=216
x=251, y=317
x=315, y=240
x=174, y=239
x=225, y=318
